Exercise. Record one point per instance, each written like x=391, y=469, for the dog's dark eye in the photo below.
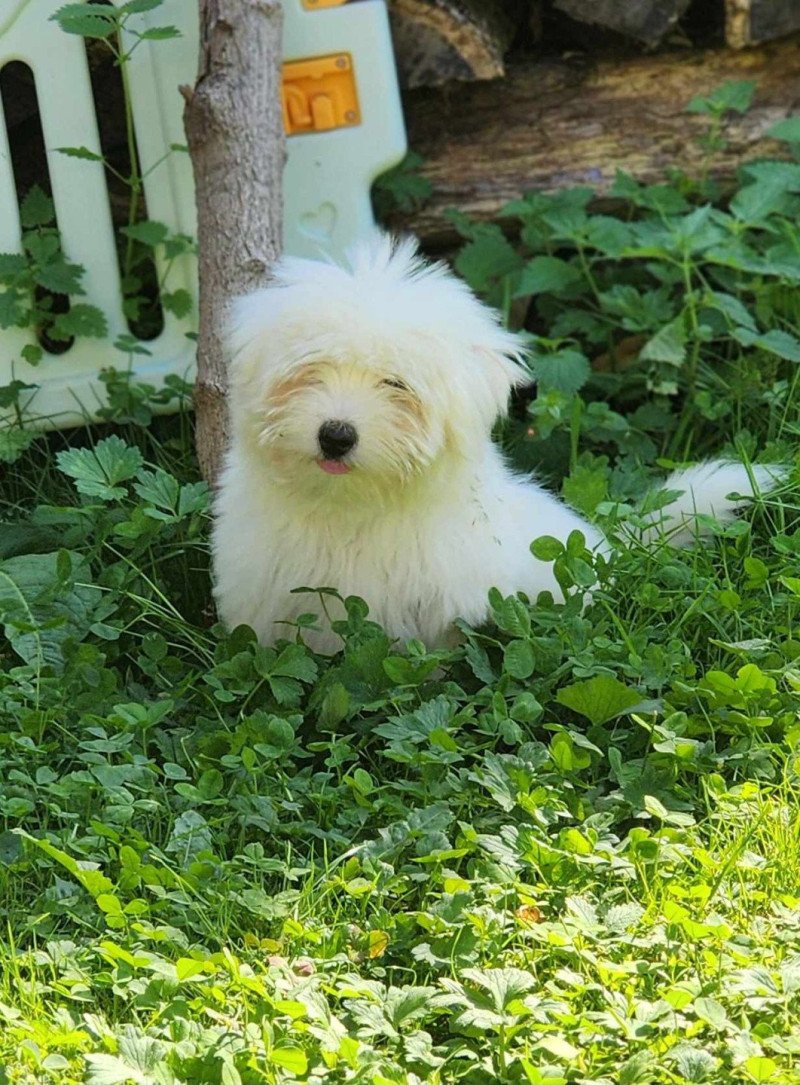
x=392, y=382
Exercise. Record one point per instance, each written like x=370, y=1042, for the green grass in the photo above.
x=566, y=851
x=572, y=861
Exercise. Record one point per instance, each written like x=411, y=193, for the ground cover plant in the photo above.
x=566, y=851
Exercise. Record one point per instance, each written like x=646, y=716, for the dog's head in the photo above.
x=375, y=371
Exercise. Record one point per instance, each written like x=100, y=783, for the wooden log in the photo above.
x=437, y=41
x=554, y=124
x=748, y=22
x=648, y=21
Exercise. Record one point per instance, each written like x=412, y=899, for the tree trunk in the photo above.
x=555, y=124
x=234, y=129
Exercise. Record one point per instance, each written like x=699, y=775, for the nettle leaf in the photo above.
x=86, y=21
x=787, y=130
x=776, y=342
x=81, y=320
x=80, y=152
x=60, y=277
x=177, y=302
x=733, y=309
x=586, y=487
x=600, y=699
x=12, y=264
x=608, y=235
x=97, y=472
x=14, y=312
x=135, y=7
x=36, y=209
x=41, y=609
x=565, y=371
x=13, y=442
x=487, y=257
x=158, y=33
x=546, y=274
x=734, y=96
x=149, y=233
x=756, y=202
x=668, y=344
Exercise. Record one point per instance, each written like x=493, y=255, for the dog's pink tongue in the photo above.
x=334, y=467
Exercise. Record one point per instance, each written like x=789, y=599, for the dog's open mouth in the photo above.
x=334, y=467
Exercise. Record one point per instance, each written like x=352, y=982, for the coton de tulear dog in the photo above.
x=362, y=402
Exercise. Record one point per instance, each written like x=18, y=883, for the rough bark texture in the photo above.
x=234, y=129
x=440, y=40
x=555, y=124
x=751, y=21
x=646, y=20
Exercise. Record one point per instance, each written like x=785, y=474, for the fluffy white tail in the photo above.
x=706, y=490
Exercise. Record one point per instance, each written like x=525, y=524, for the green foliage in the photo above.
x=647, y=329
x=401, y=188
x=564, y=850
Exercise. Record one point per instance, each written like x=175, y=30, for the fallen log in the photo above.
x=750, y=21
x=440, y=40
x=554, y=124
x=647, y=21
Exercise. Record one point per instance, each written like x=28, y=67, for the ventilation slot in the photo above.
x=34, y=194
x=140, y=284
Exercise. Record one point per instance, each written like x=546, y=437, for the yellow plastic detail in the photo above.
x=314, y=5
x=319, y=94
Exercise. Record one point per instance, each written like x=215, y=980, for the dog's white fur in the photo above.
x=429, y=516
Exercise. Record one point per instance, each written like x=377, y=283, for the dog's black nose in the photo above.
x=336, y=439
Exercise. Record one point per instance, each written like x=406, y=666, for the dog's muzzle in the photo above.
x=336, y=439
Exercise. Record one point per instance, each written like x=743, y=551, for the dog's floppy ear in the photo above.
x=503, y=370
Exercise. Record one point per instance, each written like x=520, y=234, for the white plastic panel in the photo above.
x=327, y=177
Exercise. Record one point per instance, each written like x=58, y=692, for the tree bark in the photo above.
x=234, y=129
x=555, y=124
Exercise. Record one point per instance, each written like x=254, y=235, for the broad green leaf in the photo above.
x=85, y=20
x=135, y=7
x=39, y=611
x=80, y=152
x=782, y=344
x=712, y=1012
x=546, y=275
x=519, y=659
x=82, y=319
x=97, y=472
x=149, y=233
x=158, y=33
x=566, y=370
x=13, y=442
x=504, y=985
x=668, y=344
x=787, y=130
x=599, y=699
x=487, y=257
x=36, y=209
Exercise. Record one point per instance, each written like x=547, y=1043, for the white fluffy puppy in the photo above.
x=362, y=403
